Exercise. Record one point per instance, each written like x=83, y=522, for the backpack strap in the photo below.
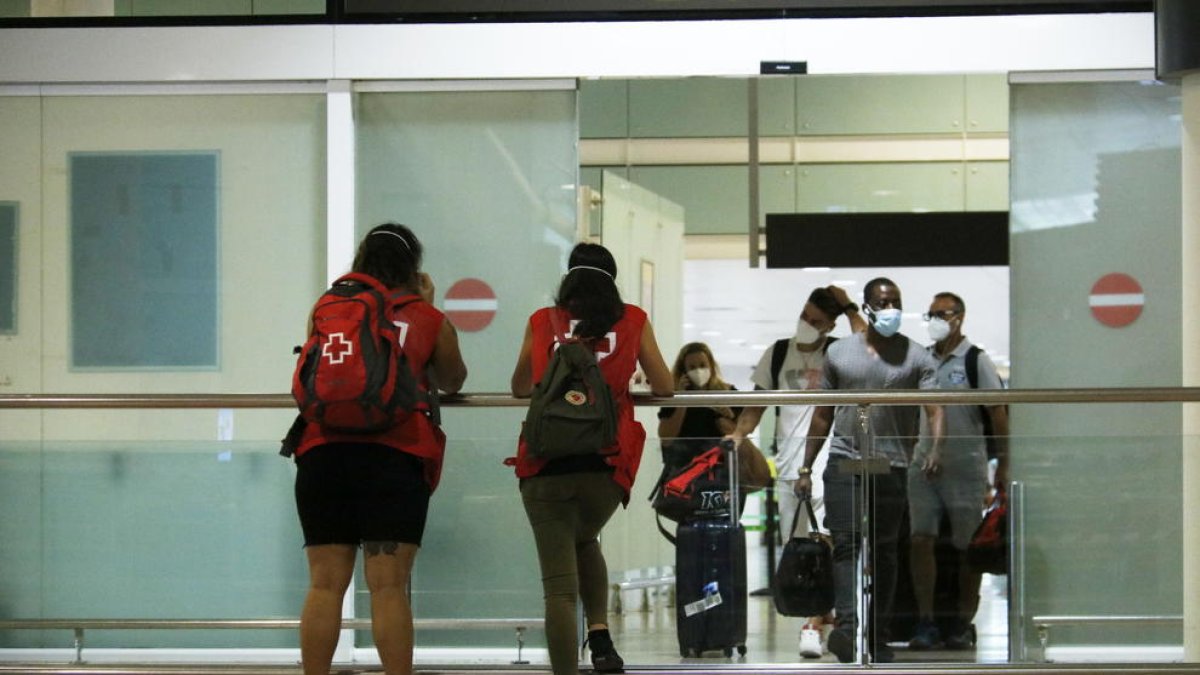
x=778, y=356
x=973, y=366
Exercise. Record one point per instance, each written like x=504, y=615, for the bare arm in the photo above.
x=522, y=377
x=747, y=422
x=818, y=429
x=937, y=432
x=651, y=360
x=448, y=366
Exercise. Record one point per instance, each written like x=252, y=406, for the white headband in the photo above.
x=394, y=234
x=589, y=267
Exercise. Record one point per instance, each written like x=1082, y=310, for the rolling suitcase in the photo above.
x=710, y=580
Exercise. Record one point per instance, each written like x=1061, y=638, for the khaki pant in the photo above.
x=566, y=513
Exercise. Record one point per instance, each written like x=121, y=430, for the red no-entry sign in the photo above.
x=1116, y=300
x=470, y=305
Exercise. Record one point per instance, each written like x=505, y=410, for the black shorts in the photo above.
x=348, y=493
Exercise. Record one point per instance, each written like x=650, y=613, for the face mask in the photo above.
x=939, y=329
x=699, y=376
x=886, y=322
x=805, y=333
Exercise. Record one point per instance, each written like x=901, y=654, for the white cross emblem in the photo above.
x=337, y=349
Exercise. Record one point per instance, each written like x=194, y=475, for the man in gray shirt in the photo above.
x=881, y=358
x=953, y=481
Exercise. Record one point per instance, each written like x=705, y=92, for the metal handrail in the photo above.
x=78, y=626
x=683, y=399
x=1044, y=623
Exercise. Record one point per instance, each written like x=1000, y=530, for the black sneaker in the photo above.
x=841, y=644
x=926, y=636
x=605, y=658
x=962, y=637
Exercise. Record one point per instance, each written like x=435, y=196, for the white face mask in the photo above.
x=699, y=376
x=805, y=333
x=939, y=329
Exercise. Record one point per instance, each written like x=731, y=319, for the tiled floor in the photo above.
x=647, y=638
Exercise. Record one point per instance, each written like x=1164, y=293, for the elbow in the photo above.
x=662, y=392
x=452, y=383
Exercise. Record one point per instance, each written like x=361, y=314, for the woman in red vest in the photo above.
x=568, y=500
x=372, y=490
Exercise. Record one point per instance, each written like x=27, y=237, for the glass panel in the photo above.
x=1096, y=199
x=207, y=529
x=266, y=195
x=487, y=180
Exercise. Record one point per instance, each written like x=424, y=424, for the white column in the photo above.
x=1190, y=320
x=339, y=245
x=339, y=180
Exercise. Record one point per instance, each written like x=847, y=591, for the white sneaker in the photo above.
x=826, y=629
x=810, y=642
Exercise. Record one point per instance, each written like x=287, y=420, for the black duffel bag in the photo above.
x=803, y=584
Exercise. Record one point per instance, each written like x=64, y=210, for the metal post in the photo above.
x=79, y=645
x=520, y=646
x=752, y=229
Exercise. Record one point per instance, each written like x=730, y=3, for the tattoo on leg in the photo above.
x=372, y=548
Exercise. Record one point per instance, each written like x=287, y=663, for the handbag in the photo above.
x=803, y=584
x=753, y=470
x=987, y=551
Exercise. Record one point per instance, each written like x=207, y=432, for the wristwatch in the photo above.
x=804, y=471
x=849, y=307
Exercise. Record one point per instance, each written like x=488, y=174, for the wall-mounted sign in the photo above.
x=1116, y=300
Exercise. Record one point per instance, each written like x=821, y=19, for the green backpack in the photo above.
x=571, y=411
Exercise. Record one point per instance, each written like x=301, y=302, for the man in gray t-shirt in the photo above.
x=953, y=482
x=881, y=358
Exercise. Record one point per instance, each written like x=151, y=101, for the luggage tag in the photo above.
x=712, y=598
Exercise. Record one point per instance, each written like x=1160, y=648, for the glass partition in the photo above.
x=207, y=530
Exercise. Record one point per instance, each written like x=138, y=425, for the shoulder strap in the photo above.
x=973, y=366
x=778, y=354
x=828, y=341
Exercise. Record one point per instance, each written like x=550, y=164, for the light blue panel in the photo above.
x=603, y=108
x=143, y=260
x=191, y=7
x=987, y=186
x=879, y=104
x=487, y=180
x=8, y=267
x=593, y=177
x=688, y=107
x=987, y=103
x=880, y=187
x=713, y=197
x=777, y=105
x=1096, y=189
x=135, y=529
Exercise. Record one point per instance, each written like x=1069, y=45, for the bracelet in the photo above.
x=804, y=471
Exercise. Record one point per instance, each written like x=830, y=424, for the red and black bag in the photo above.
x=699, y=489
x=352, y=375
x=988, y=550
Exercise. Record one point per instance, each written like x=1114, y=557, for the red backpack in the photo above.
x=352, y=375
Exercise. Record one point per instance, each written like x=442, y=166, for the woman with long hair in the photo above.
x=691, y=430
x=568, y=500
x=372, y=490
